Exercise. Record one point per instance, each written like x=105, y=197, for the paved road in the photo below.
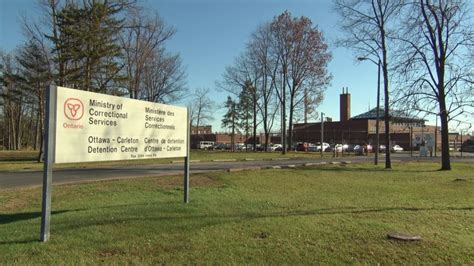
x=64, y=176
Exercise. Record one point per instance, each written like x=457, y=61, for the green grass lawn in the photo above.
x=26, y=160
x=335, y=214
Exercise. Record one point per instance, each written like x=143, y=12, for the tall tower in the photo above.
x=345, y=105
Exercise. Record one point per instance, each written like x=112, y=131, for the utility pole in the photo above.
x=322, y=133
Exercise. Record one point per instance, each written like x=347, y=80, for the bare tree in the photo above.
x=142, y=41
x=38, y=67
x=202, y=108
x=368, y=25
x=259, y=49
x=13, y=100
x=434, y=62
x=302, y=53
x=36, y=76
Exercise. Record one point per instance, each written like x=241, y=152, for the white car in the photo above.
x=274, y=147
x=397, y=148
x=206, y=145
x=325, y=146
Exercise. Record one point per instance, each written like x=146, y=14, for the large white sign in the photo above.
x=427, y=138
x=98, y=127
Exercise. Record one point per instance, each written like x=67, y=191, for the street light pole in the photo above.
x=377, y=119
x=322, y=133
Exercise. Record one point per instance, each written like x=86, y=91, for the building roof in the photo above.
x=396, y=116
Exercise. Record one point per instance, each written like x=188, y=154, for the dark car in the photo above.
x=330, y=149
x=469, y=148
x=301, y=146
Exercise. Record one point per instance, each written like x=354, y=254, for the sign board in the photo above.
x=84, y=126
x=97, y=127
x=423, y=151
x=427, y=138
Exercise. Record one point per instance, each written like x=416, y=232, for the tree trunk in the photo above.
x=445, y=158
x=283, y=129
x=388, y=161
x=290, y=123
x=232, y=137
x=41, y=148
x=283, y=114
x=37, y=133
x=255, y=123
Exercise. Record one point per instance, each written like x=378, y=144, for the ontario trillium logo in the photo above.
x=73, y=109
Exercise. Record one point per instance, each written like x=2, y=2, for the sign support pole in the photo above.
x=49, y=142
x=186, y=159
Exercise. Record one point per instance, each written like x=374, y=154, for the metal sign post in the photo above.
x=48, y=162
x=186, y=160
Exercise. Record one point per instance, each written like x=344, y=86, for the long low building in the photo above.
x=405, y=129
x=361, y=129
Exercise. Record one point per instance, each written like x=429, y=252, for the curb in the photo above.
x=243, y=169
x=182, y=161
x=225, y=160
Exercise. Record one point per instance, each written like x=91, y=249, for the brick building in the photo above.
x=361, y=129
x=201, y=130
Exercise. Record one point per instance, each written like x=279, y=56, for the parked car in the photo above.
x=220, y=146
x=338, y=147
x=345, y=147
x=350, y=148
x=279, y=148
x=397, y=148
x=206, y=145
x=301, y=146
x=468, y=148
x=276, y=147
x=369, y=148
x=382, y=148
x=359, y=149
x=260, y=147
x=240, y=147
x=325, y=146
x=329, y=149
x=312, y=147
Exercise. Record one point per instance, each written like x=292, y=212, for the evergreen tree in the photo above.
x=88, y=44
x=231, y=119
